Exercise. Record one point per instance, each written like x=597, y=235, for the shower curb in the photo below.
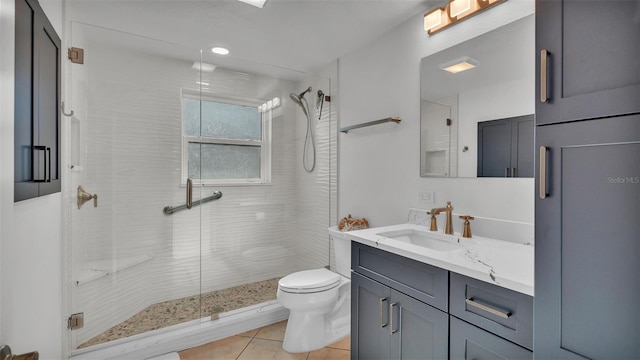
x=187, y=335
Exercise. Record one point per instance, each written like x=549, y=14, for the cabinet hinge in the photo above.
x=449, y=122
x=76, y=55
x=75, y=321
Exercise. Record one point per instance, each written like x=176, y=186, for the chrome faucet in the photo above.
x=448, y=228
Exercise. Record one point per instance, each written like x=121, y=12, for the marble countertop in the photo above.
x=503, y=263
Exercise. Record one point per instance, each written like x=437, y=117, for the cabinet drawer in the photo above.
x=470, y=342
x=503, y=312
x=426, y=283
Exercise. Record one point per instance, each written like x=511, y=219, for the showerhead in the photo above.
x=297, y=98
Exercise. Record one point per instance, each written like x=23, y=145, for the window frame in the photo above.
x=264, y=144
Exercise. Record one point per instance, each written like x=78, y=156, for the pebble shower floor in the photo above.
x=173, y=312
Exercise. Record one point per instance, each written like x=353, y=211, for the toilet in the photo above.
x=319, y=302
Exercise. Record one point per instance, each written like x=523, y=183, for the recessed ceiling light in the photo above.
x=257, y=3
x=460, y=64
x=220, y=50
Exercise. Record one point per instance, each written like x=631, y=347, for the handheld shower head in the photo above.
x=308, y=140
x=297, y=98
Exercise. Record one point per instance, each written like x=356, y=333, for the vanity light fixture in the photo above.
x=455, y=11
x=220, y=50
x=459, y=65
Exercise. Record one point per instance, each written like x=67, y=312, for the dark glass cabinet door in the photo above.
x=592, y=65
x=587, y=273
x=37, y=95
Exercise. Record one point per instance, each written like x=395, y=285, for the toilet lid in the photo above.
x=309, y=281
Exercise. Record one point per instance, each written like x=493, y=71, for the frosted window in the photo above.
x=221, y=121
x=216, y=161
x=224, y=143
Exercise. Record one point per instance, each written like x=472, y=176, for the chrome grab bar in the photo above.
x=168, y=210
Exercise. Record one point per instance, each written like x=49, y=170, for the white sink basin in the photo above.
x=426, y=239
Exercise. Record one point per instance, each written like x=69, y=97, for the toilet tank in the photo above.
x=342, y=249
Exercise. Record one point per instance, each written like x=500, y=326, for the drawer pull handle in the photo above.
x=382, y=323
x=391, y=306
x=488, y=309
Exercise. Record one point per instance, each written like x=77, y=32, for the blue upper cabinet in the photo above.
x=588, y=59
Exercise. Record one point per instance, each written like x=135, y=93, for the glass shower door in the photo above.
x=134, y=250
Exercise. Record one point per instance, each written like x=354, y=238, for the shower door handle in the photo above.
x=189, y=193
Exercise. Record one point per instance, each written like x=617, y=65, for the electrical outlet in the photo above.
x=426, y=196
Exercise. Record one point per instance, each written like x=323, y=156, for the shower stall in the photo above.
x=149, y=124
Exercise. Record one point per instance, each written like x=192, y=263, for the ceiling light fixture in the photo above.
x=220, y=50
x=459, y=65
x=204, y=67
x=257, y=3
x=456, y=10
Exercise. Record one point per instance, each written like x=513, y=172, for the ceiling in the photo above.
x=286, y=39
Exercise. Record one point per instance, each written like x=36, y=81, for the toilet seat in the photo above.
x=309, y=281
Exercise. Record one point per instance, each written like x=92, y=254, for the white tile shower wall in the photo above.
x=131, y=101
x=317, y=190
x=378, y=166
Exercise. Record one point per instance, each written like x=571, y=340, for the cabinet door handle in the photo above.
x=543, y=172
x=382, y=323
x=514, y=172
x=506, y=172
x=391, y=306
x=44, y=157
x=488, y=309
x=544, y=73
x=49, y=154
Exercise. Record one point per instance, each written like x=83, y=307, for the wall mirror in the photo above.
x=479, y=122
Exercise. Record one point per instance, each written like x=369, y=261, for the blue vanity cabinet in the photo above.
x=405, y=309
x=389, y=324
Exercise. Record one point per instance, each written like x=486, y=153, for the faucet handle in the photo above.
x=466, y=228
x=434, y=222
